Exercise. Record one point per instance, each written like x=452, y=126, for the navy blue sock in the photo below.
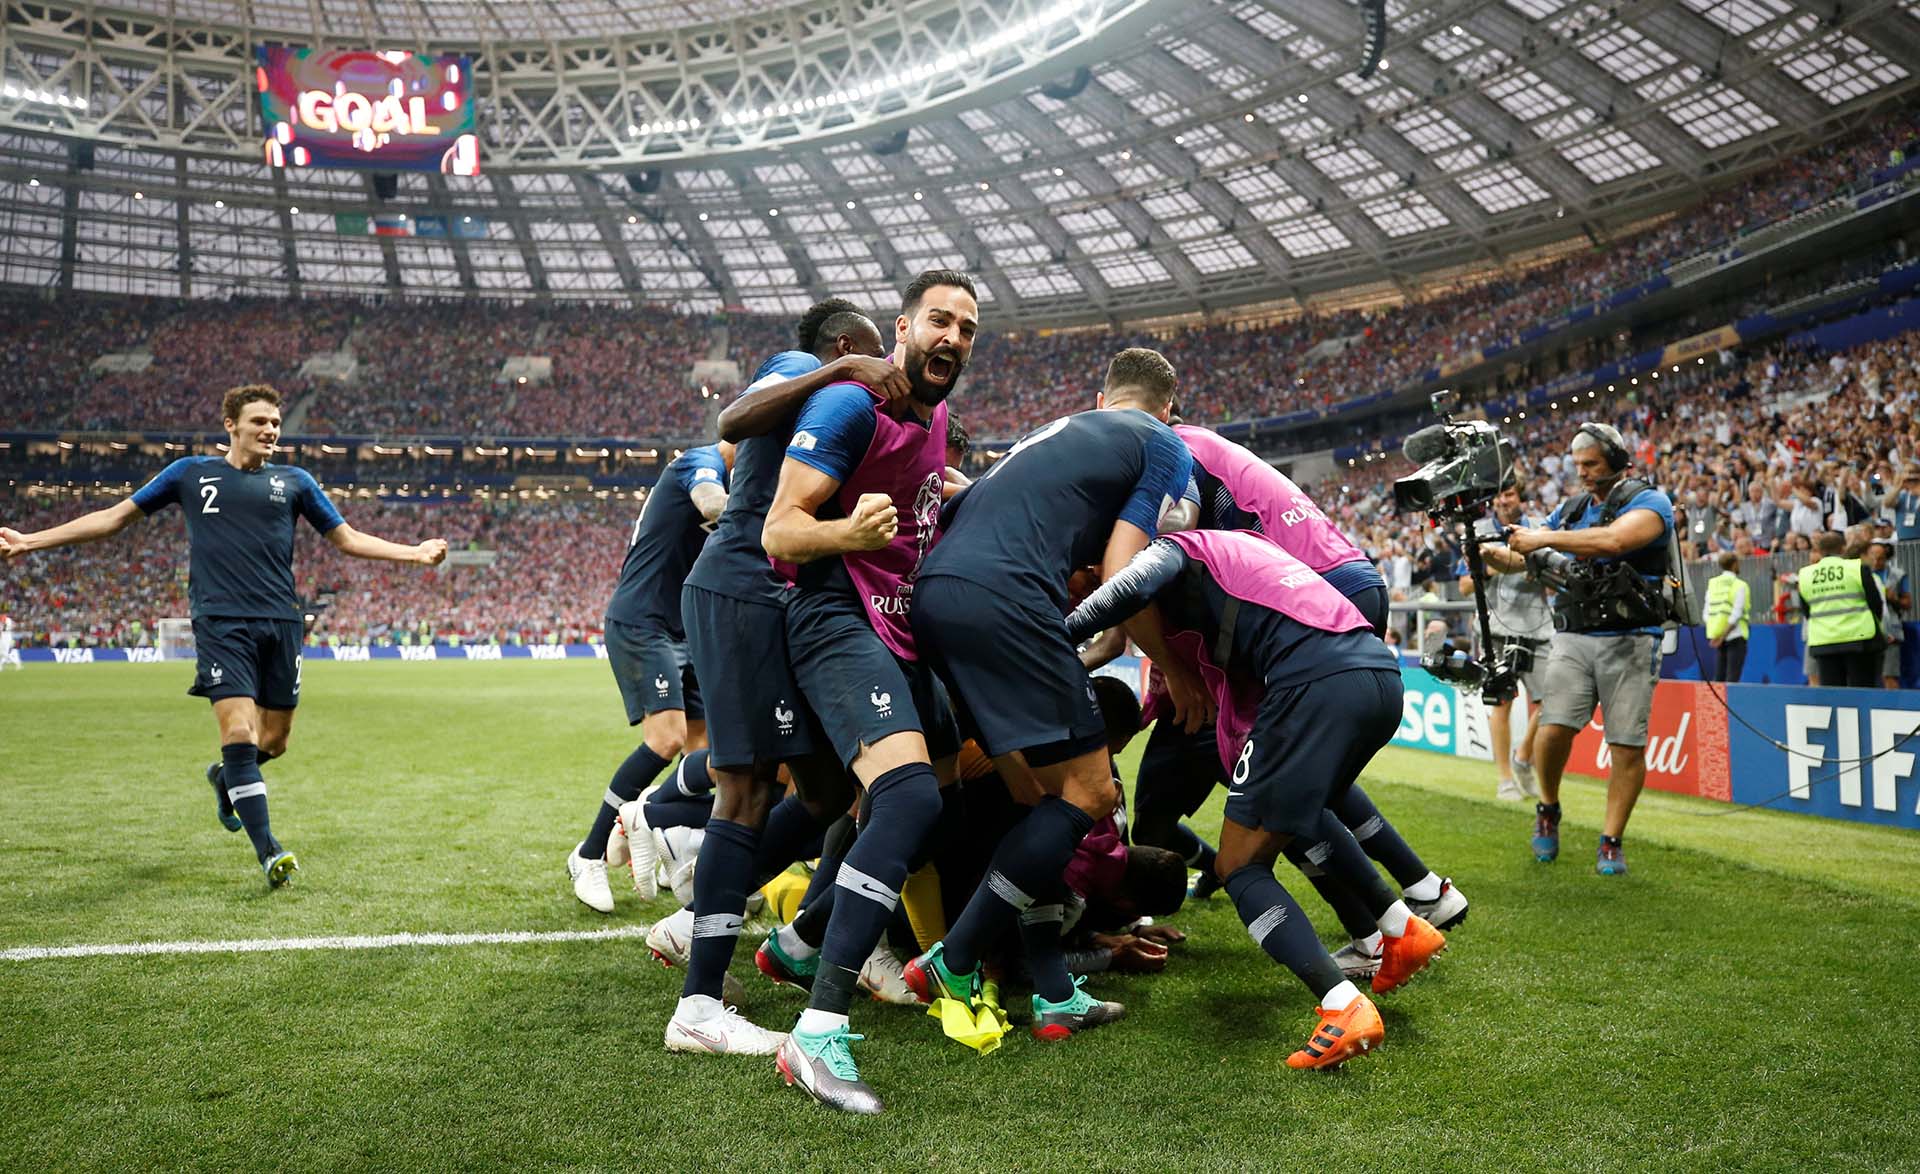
x=1341, y=857
x=1279, y=927
x=664, y=811
x=689, y=778
x=1040, y=925
x=791, y=835
x=720, y=886
x=1346, y=905
x=1030, y=857
x=816, y=904
x=904, y=804
x=632, y=777
x=1378, y=838
x=247, y=791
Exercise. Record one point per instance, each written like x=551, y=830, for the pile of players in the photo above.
x=832, y=608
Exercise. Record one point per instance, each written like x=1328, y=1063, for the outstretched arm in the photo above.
x=761, y=408
x=349, y=541
x=86, y=528
x=1126, y=592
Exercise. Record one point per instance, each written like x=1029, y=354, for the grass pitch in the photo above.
x=1744, y=999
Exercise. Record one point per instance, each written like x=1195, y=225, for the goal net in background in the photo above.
x=175, y=638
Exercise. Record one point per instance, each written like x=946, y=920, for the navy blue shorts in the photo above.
x=755, y=711
x=858, y=688
x=1016, y=681
x=1309, y=743
x=654, y=672
x=247, y=658
x=1372, y=602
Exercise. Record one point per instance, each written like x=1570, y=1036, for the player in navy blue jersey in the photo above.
x=647, y=650
x=247, y=621
x=1091, y=488
x=856, y=510
x=734, y=608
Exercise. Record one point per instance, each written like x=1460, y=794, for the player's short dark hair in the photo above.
x=1119, y=708
x=957, y=435
x=1145, y=374
x=238, y=398
x=1155, y=880
x=809, y=329
x=918, y=287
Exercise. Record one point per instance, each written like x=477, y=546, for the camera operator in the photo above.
x=1607, y=650
x=1518, y=612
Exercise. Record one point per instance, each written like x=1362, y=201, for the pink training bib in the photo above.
x=1289, y=516
x=906, y=461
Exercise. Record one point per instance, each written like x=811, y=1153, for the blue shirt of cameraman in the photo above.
x=1647, y=499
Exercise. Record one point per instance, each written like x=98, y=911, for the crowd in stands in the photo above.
x=556, y=562
x=433, y=368
x=1759, y=451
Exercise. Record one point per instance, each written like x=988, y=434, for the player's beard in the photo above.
x=932, y=394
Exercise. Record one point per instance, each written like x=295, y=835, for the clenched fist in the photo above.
x=433, y=551
x=873, y=522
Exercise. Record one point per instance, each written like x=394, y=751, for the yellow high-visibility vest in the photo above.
x=1837, y=611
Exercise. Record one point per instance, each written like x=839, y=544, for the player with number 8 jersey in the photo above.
x=247, y=619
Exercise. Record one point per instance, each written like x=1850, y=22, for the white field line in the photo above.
x=354, y=942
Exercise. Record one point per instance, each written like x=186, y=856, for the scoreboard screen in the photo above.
x=383, y=111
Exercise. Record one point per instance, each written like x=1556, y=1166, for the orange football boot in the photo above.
x=1407, y=955
x=1341, y=1036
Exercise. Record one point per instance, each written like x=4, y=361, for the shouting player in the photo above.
x=246, y=618
x=1085, y=489
x=856, y=509
x=647, y=649
x=734, y=608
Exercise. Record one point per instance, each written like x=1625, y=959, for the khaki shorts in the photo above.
x=1615, y=672
x=1890, y=660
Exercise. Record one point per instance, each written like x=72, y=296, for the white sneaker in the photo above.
x=1510, y=790
x=681, y=881
x=704, y=1024
x=1356, y=961
x=590, y=881
x=1523, y=774
x=617, y=853
x=1443, y=912
x=881, y=976
x=639, y=853
x=671, y=938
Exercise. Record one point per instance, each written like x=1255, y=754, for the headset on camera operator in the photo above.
x=1520, y=615
x=1611, y=547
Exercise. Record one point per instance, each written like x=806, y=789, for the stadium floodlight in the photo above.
x=946, y=62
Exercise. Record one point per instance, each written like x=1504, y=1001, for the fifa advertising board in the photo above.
x=1851, y=754
x=1848, y=753
x=1686, y=743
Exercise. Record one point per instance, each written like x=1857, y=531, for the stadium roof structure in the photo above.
x=1090, y=160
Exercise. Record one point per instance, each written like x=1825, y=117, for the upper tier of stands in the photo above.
x=431, y=369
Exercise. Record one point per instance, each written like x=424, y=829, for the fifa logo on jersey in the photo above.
x=882, y=702
x=783, y=716
x=660, y=685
